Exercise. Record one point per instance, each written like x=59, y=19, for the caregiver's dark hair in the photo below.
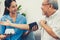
x=7, y=4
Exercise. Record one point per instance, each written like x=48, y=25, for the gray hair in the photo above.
x=54, y=3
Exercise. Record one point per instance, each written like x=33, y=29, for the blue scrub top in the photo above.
x=18, y=32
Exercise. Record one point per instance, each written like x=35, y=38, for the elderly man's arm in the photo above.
x=48, y=29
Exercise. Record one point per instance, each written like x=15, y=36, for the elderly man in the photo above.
x=51, y=24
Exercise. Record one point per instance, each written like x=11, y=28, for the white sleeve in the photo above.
x=56, y=27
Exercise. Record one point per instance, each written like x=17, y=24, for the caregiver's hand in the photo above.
x=6, y=23
x=33, y=26
x=2, y=36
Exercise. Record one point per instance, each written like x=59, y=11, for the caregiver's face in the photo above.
x=13, y=7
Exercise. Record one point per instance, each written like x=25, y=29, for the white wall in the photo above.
x=59, y=4
x=32, y=9
x=1, y=7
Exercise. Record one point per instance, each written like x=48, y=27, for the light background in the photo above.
x=32, y=8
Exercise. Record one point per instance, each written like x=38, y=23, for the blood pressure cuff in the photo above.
x=31, y=25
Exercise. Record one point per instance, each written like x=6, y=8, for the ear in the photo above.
x=51, y=6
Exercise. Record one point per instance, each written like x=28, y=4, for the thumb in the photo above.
x=8, y=21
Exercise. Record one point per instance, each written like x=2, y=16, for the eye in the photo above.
x=14, y=6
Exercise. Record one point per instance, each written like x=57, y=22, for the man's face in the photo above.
x=45, y=8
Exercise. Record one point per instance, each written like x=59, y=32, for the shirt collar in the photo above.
x=53, y=15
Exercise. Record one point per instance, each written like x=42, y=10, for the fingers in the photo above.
x=2, y=36
x=1, y=22
x=7, y=20
x=34, y=28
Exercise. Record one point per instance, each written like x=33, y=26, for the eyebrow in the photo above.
x=45, y=4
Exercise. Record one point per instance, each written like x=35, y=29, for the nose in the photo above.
x=15, y=8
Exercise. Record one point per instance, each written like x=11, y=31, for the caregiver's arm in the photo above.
x=32, y=26
x=21, y=26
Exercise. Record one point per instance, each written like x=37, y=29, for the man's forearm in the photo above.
x=49, y=31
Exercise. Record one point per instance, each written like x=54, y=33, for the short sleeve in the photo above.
x=56, y=27
x=2, y=28
x=24, y=21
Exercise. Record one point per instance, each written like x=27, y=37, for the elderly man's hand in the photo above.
x=42, y=22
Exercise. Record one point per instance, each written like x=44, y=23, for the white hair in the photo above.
x=54, y=3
